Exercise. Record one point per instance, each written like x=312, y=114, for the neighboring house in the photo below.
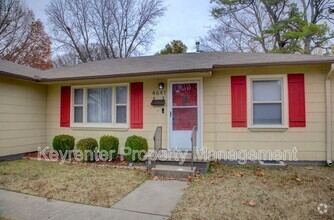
x=237, y=101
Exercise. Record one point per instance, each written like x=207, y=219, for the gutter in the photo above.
x=329, y=117
x=207, y=71
x=35, y=78
x=283, y=63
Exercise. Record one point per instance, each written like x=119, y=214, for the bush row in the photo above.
x=107, y=143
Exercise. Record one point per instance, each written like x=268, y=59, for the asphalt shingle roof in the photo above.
x=19, y=71
x=164, y=64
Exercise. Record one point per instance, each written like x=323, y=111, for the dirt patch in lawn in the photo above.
x=251, y=192
x=82, y=183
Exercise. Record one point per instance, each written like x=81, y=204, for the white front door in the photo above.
x=184, y=114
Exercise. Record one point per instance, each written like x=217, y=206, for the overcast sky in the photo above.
x=184, y=20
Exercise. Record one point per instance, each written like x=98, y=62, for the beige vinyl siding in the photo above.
x=153, y=117
x=217, y=130
x=309, y=141
x=332, y=96
x=22, y=116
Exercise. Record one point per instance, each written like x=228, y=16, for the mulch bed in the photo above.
x=116, y=163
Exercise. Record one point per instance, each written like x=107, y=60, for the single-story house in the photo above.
x=236, y=100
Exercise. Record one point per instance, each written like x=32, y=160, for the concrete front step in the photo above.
x=202, y=167
x=173, y=171
x=165, y=155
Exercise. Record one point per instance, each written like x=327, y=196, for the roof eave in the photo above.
x=126, y=75
x=18, y=76
x=168, y=72
x=274, y=64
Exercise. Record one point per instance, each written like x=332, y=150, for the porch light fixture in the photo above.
x=161, y=85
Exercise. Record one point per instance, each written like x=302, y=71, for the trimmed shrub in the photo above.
x=138, y=146
x=88, y=147
x=109, y=143
x=63, y=142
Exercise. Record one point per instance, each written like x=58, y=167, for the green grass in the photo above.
x=81, y=183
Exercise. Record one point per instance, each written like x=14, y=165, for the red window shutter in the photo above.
x=239, y=101
x=136, y=104
x=65, y=106
x=296, y=88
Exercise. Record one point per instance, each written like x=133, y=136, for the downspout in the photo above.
x=329, y=117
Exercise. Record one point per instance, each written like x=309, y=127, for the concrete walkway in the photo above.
x=151, y=200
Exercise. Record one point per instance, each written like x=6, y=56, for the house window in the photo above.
x=78, y=105
x=267, y=101
x=121, y=102
x=100, y=106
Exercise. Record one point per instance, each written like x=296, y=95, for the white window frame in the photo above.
x=121, y=104
x=78, y=105
x=284, y=101
x=113, y=124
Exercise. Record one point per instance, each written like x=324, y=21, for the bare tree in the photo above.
x=15, y=21
x=103, y=29
x=71, y=56
x=270, y=26
x=216, y=40
x=67, y=59
x=317, y=12
x=240, y=30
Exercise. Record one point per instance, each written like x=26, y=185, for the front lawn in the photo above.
x=251, y=192
x=82, y=183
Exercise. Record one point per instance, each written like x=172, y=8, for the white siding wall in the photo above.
x=22, y=116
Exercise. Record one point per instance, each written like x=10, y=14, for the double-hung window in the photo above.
x=78, y=105
x=267, y=101
x=100, y=106
x=121, y=104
